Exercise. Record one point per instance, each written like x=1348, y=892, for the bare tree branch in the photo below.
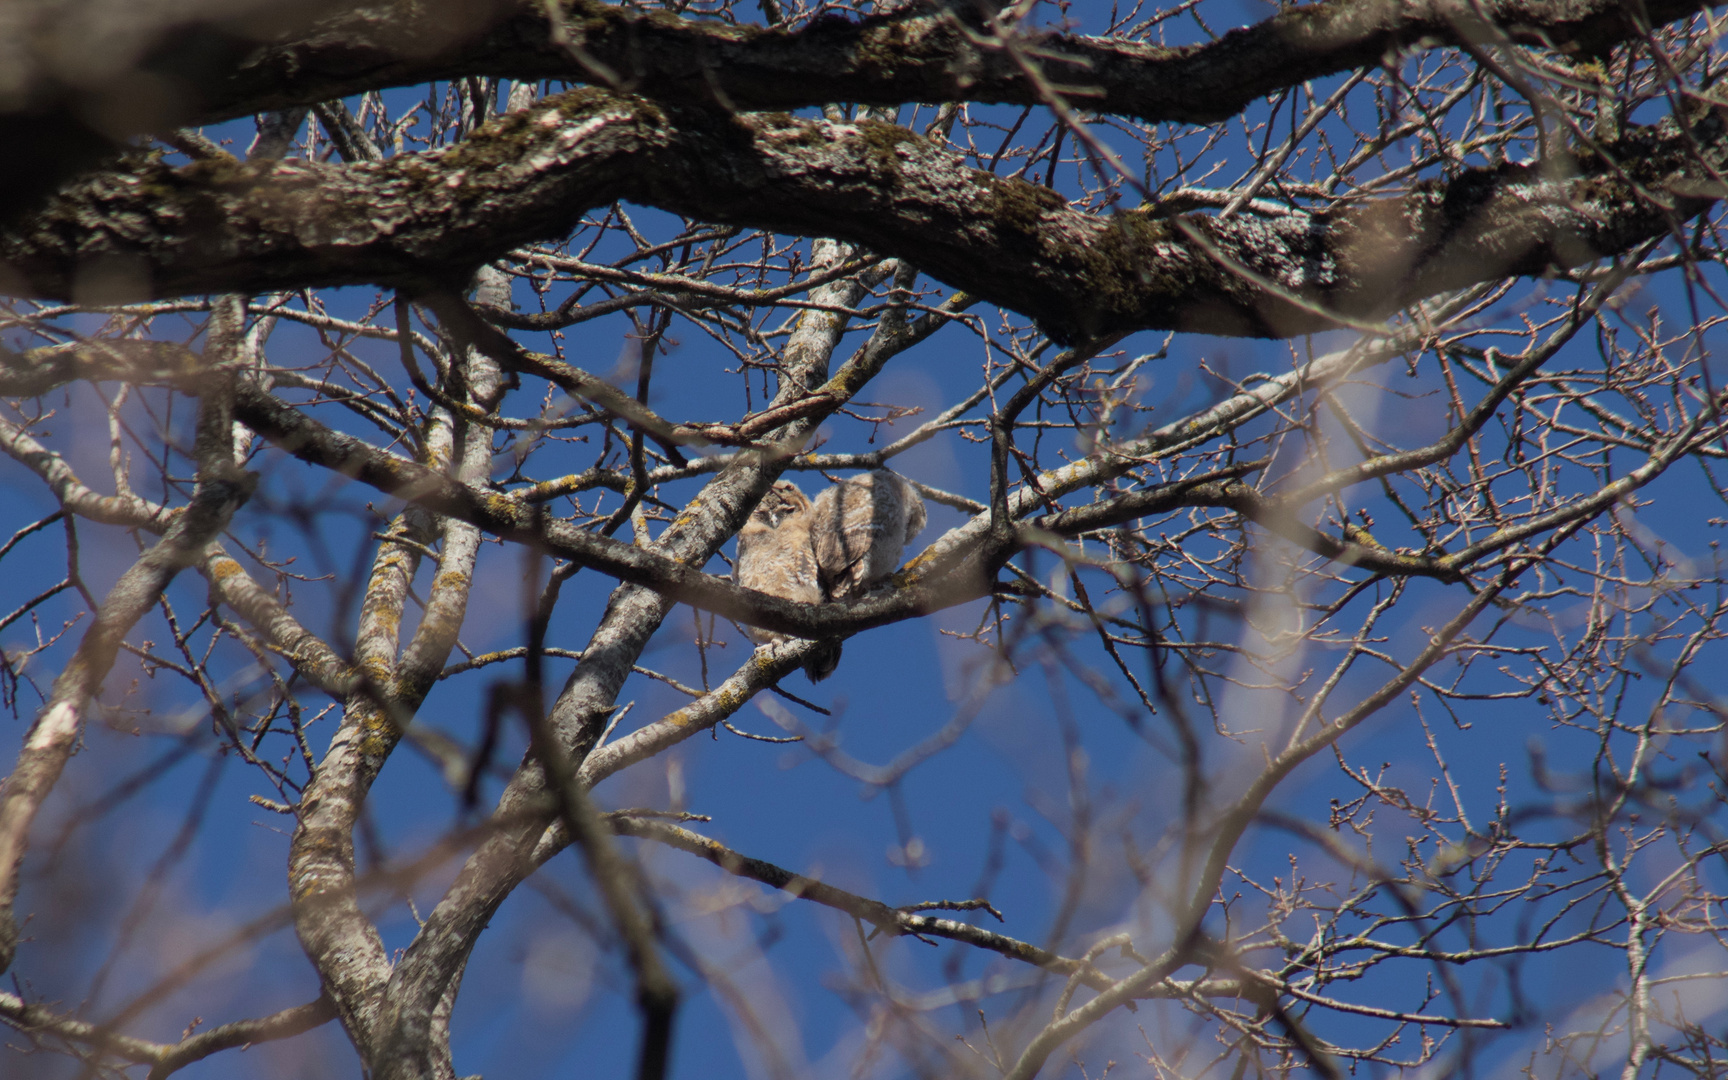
x=413, y=220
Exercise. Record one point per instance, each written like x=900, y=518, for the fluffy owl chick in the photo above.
x=859, y=529
x=775, y=556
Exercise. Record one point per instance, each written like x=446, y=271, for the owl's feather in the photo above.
x=775, y=556
x=849, y=539
x=774, y=551
x=859, y=529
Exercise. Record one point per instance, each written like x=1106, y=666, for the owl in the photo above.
x=859, y=528
x=775, y=556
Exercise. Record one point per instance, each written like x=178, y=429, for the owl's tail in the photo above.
x=820, y=662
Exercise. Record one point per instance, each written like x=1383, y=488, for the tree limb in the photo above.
x=221, y=489
x=421, y=221
x=165, y=1058
x=922, y=52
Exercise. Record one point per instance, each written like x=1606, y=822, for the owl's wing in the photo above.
x=795, y=561
x=860, y=528
x=840, y=536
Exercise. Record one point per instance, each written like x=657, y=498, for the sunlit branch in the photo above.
x=164, y=1058
x=221, y=489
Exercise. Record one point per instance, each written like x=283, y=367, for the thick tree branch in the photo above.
x=168, y=63
x=77, y=77
x=338, y=936
x=922, y=52
x=420, y=221
x=633, y=613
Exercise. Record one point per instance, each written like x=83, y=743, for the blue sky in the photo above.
x=541, y=998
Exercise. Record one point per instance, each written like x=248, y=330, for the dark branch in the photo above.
x=924, y=52
x=419, y=222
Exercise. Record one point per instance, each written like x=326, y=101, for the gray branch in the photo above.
x=221, y=489
x=164, y=1058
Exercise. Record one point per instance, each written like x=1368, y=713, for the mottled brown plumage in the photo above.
x=859, y=529
x=775, y=556
x=851, y=538
x=774, y=552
